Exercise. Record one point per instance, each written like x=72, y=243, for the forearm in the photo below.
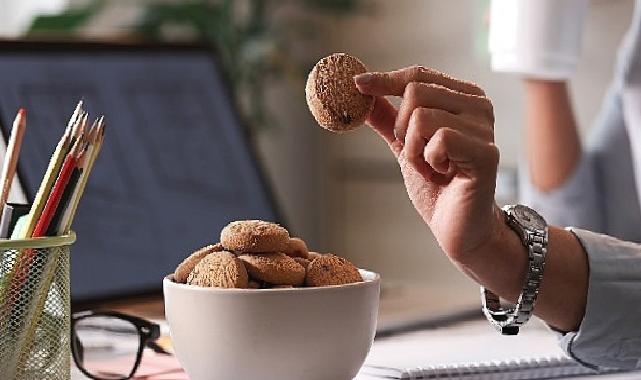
x=501, y=266
x=553, y=145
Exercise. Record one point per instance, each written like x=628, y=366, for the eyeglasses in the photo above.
x=109, y=345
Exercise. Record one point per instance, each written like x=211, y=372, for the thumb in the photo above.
x=382, y=120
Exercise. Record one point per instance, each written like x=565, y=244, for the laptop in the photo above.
x=176, y=167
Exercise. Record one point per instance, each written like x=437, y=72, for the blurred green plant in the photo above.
x=256, y=40
x=67, y=22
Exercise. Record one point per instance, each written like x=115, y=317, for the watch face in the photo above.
x=528, y=217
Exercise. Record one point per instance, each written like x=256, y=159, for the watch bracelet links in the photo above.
x=509, y=320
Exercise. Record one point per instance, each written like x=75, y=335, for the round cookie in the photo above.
x=184, y=269
x=302, y=261
x=332, y=96
x=254, y=236
x=331, y=270
x=314, y=255
x=275, y=268
x=219, y=270
x=296, y=248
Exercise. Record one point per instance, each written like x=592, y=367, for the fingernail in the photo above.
x=364, y=78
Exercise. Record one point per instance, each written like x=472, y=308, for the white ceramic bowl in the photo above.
x=272, y=334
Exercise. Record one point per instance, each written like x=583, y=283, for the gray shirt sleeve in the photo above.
x=610, y=333
x=572, y=204
x=601, y=193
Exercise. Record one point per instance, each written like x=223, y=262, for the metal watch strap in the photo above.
x=508, y=321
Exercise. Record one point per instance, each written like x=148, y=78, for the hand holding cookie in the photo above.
x=255, y=254
x=443, y=137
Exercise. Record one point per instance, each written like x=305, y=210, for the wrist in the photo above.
x=499, y=234
x=502, y=249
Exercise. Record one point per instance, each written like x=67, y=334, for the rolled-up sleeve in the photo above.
x=610, y=333
x=573, y=204
x=601, y=193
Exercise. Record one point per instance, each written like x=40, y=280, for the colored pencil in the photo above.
x=65, y=200
x=11, y=156
x=56, y=192
x=52, y=173
x=91, y=156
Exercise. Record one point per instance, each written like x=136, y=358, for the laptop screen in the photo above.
x=175, y=167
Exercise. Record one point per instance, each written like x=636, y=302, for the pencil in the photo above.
x=59, y=186
x=65, y=200
x=11, y=156
x=72, y=193
x=79, y=129
x=52, y=172
x=90, y=157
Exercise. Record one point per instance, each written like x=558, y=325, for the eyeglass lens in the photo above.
x=107, y=347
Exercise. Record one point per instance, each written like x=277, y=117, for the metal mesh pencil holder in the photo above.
x=35, y=308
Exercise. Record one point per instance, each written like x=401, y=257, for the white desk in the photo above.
x=471, y=342
x=464, y=343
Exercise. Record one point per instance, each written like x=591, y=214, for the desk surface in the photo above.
x=404, y=305
x=463, y=343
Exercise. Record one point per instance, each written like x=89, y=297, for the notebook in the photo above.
x=472, y=350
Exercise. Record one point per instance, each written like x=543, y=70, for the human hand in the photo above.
x=443, y=137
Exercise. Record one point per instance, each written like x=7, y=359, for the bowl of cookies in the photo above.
x=260, y=305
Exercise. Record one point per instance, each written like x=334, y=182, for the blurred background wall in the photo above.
x=344, y=193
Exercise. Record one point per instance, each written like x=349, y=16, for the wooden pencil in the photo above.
x=71, y=195
x=11, y=156
x=91, y=156
x=78, y=130
x=52, y=173
x=56, y=192
x=65, y=200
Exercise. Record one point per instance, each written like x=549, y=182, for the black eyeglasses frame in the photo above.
x=148, y=333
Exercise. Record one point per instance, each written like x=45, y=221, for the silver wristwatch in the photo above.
x=533, y=231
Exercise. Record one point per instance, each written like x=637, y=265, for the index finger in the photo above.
x=394, y=82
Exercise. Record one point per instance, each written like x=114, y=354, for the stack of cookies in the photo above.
x=256, y=254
